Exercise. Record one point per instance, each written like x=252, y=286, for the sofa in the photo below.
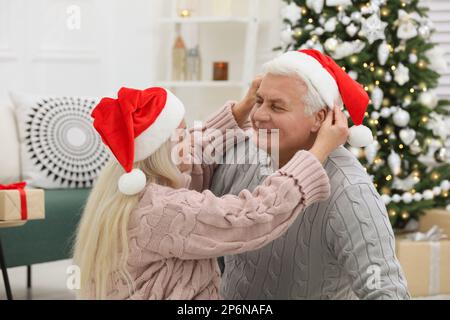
x=37, y=241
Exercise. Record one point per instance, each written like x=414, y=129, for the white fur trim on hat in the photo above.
x=319, y=77
x=132, y=182
x=359, y=136
x=154, y=136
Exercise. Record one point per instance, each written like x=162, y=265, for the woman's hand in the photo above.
x=241, y=110
x=332, y=133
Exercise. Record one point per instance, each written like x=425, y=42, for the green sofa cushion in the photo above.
x=50, y=239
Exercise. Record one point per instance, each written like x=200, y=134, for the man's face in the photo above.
x=279, y=105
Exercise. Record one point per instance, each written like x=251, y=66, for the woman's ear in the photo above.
x=319, y=117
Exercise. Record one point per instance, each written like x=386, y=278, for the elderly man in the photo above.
x=342, y=248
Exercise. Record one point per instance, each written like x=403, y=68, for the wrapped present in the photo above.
x=20, y=203
x=425, y=259
x=439, y=217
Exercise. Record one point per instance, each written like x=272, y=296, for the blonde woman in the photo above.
x=147, y=234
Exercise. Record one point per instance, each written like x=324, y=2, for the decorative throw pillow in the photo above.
x=58, y=144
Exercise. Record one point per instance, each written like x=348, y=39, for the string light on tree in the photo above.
x=392, y=213
x=297, y=32
x=422, y=64
x=435, y=176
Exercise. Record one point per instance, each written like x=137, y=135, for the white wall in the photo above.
x=118, y=43
x=42, y=52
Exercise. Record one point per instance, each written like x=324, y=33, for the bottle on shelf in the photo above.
x=179, y=57
x=193, y=64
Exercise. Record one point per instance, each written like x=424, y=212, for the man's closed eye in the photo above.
x=277, y=108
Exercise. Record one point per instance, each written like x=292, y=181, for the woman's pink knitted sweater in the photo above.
x=175, y=235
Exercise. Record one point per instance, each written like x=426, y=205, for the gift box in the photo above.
x=20, y=203
x=438, y=217
x=426, y=265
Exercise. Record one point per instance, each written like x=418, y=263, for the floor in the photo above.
x=49, y=283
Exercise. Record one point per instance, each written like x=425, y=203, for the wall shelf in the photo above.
x=239, y=49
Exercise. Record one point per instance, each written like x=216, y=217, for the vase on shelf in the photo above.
x=179, y=57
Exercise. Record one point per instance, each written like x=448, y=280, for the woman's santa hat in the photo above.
x=335, y=87
x=134, y=126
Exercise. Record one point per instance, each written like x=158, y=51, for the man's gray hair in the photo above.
x=313, y=100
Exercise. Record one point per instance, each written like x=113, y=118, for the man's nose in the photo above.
x=261, y=115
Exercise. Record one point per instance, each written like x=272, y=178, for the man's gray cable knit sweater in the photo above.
x=341, y=248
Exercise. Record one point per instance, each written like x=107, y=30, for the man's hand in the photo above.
x=241, y=110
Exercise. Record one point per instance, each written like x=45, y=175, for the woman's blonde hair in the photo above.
x=101, y=244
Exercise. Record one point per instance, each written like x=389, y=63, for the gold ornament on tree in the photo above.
x=422, y=64
x=385, y=11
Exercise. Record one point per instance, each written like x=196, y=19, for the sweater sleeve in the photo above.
x=190, y=225
x=361, y=238
x=209, y=143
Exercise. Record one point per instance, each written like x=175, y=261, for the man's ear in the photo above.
x=319, y=117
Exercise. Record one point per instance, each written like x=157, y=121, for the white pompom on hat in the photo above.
x=135, y=125
x=335, y=87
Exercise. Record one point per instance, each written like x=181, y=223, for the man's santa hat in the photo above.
x=135, y=125
x=335, y=87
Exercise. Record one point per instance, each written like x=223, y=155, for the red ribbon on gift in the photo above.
x=19, y=186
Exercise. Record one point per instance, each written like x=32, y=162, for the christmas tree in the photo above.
x=386, y=47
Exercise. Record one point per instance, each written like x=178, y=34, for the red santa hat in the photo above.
x=335, y=87
x=135, y=125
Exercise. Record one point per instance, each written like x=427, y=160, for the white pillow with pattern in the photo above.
x=58, y=144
